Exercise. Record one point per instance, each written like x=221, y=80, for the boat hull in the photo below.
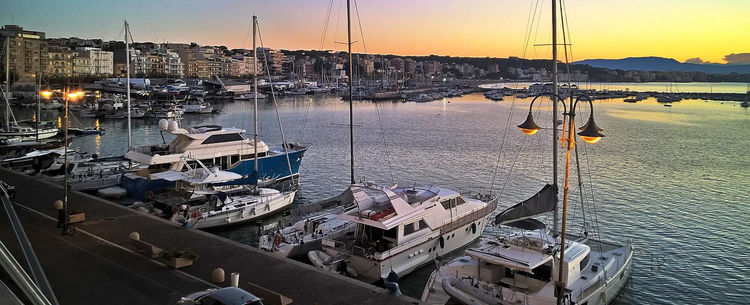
x=248, y=213
x=271, y=167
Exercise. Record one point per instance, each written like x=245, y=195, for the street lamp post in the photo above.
x=590, y=133
x=67, y=96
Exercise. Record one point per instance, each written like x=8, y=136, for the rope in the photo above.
x=385, y=144
x=360, y=28
x=276, y=107
x=325, y=25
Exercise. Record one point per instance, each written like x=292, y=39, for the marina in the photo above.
x=183, y=173
x=708, y=169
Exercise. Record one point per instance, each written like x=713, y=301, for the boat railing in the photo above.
x=449, y=225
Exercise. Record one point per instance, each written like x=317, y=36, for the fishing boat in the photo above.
x=401, y=229
x=531, y=264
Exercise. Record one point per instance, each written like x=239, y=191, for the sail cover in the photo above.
x=542, y=202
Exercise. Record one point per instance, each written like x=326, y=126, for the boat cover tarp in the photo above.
x=527, y=224
x=542, y=202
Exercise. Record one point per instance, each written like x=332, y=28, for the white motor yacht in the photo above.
x=401, y=229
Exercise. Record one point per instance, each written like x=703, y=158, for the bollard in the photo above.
x=58, y=205
x=217, y=276
x=235, y=279
x=134, y=235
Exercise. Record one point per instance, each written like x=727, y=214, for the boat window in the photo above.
x=251, y=156
x=392, y=233
x=221, y=138
x=234, y=159
x=453, y=202
x=414, y=227
x=584, y=262
x=408, y=228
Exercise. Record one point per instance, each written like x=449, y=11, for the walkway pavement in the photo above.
x=97, y=266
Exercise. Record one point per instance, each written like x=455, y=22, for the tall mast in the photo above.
x=36, y=96
x=554, y=107
x=7, y=83
x=127, y=77
x=255, y=98
x=351, y=94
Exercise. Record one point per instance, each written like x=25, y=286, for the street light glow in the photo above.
x=46, y=94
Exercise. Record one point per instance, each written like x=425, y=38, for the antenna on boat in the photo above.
x=351, y=95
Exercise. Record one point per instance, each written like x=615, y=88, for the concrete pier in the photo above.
x=98, y=264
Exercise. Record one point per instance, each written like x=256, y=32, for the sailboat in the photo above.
x=525, y=265
x=392, y=231
x=220, y=209
x=13, y=133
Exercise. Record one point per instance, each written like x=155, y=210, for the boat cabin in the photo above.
x=524, y=262
x=211, y=144
x=387, y=218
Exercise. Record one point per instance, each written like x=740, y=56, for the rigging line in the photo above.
x=338, y=21
x=565, y=48
x=567, y=25
x=580, y=186
x=325, y=25
x=529, y=26
x=536, y=33
x=276, y=107
x=593, y=203
x=304, y=121
x=362, y=35
x=385, y=143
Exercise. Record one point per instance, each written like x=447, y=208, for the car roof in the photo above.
x=233, y=295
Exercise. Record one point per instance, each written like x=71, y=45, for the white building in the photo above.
x=98, y=62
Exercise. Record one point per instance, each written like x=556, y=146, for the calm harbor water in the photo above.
x=673, y=179
x=651, y=86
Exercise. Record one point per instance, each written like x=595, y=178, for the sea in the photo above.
x=673, y=180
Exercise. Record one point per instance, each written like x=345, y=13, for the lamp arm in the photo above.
x=575, y=104
x=557, y=97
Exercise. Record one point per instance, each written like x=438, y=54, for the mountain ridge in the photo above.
x=654, y=63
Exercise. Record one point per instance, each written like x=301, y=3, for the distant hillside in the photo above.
x=663, y=64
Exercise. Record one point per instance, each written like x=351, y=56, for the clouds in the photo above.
x=738, y=58
x=697, y=60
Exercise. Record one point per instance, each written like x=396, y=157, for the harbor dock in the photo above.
x=99, y=264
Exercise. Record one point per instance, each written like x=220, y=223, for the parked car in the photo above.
x=223, y=296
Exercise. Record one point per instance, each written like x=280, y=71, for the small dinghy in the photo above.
x=467, y=291
x=112, y=192
x=334, y=264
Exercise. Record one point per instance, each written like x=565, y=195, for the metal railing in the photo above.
x=473, y=216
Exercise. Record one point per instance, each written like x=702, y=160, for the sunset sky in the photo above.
x=686, y=29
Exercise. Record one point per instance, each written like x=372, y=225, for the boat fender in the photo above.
x=474, y=228
x=194, y=214
x=442, y=242
x=276, y=241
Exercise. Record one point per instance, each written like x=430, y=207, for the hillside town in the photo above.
x=31, y=52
